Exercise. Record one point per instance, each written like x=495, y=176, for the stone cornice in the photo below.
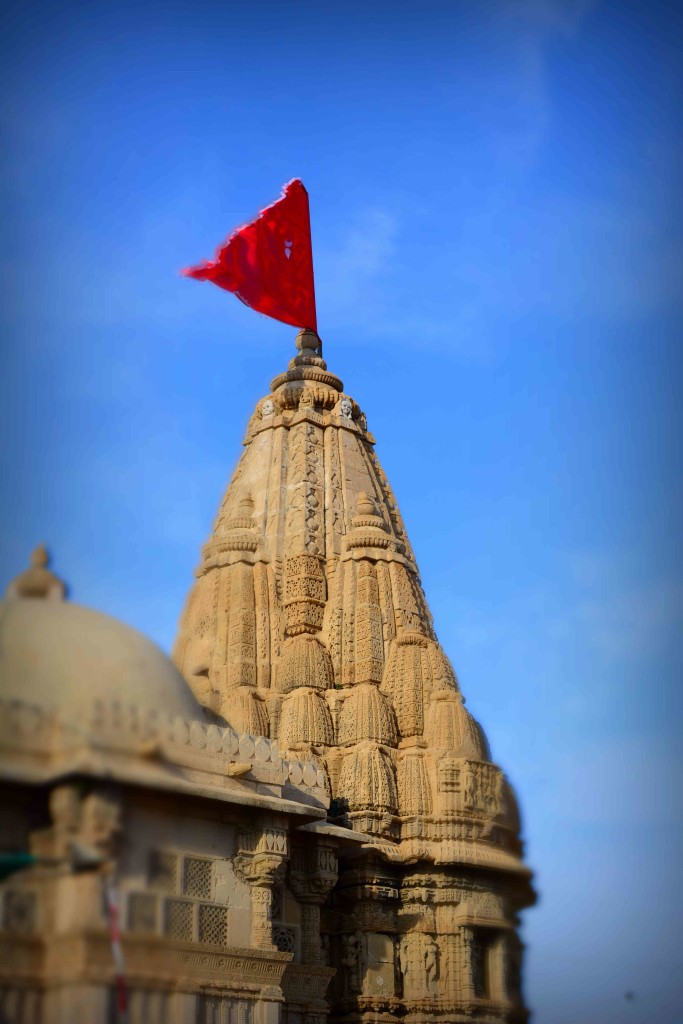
x=160, y=962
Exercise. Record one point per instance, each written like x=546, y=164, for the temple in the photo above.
x=302, y=819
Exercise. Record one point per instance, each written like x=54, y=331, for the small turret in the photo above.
x=38, y=580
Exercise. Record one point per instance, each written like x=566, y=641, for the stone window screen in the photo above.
x=142, y=913
x=284, y=939
x=198, y=878
x=213, y=924
x=178, y=923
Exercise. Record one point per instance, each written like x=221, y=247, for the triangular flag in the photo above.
x=268, y=264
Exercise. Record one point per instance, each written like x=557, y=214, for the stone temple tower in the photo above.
x=308, y=624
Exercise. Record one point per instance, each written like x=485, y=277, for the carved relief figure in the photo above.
x=431, y=963
x=352, y=960
x=418, y=959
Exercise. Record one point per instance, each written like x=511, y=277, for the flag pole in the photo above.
x=111, y=896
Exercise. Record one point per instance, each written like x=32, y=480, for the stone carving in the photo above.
x=430, y=964
x=414, y=791
x=267, y=409
x=245, y=711
x=305, y=593
x=345, y=409
x=367, y=779
x=304, y=662
x=313, y=873
x=418, y=958
x=369, y=642
x=450, y=726
x=366, y=714
x=305, y=719
x=352, y=961
x=262, y=861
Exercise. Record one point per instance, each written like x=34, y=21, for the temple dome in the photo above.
x=62, y=656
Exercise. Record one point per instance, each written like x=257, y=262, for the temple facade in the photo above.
x=296, y=821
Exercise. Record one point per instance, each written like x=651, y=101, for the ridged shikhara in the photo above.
x=308, y=623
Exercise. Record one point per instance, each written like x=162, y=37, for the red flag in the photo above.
x=268, y=264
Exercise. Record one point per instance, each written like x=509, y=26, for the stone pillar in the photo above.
x=466, y=975
x=261, y=861
x=311, y=952
x=262, y=910
x=312, y=876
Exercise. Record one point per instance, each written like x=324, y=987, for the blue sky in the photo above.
x=496, y=207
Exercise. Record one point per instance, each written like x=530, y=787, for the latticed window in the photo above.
x=163, y=870
x=197, y=878
x=213, y=924
x=178, y=923
x=142, y=912
x=284, y=939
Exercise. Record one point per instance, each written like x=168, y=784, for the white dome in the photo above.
x=61, y=656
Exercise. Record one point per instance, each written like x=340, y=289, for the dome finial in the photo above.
x=310, y=350
x=40, y=557
x=38, y=580
x=308, y=343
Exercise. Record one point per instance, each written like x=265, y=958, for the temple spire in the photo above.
x=308, y=618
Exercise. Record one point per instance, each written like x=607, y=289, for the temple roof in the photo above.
x=308, y=620
x=59, y=655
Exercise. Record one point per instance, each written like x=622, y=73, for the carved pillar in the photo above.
x=261, y=861
x=466, y=973
x=313, y=874
x=262, y=911
x=311, y=952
